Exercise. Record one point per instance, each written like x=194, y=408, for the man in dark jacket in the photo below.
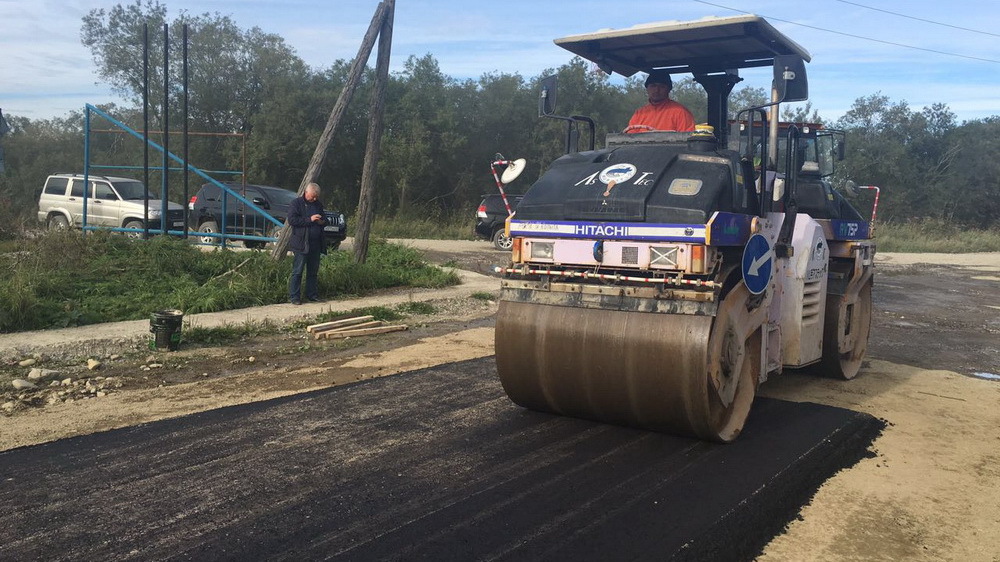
x=305, y=216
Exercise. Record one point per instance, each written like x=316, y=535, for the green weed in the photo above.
x=933, y=235
x=440, y=226
x=67, y=279
x=228, y=333
x=417, y=307
x=483, y=296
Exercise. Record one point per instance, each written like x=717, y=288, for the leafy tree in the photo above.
x=231, y=71
x=423, y=140
x=909, y=154
x=691, y=95
x=443, y=133
x=746, y=97
x=33, y=150
x=498, y=113
x=287, y=128
x=800, y=113
x=972, y=194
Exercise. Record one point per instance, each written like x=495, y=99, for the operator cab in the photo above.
x=712, y=49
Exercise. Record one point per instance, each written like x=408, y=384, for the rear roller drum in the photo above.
x=846, y=327
x=684, y=374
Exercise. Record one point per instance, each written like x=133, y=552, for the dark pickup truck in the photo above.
x=490, y=218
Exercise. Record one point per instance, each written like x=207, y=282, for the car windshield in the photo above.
x=282, y=196
x=133, y=190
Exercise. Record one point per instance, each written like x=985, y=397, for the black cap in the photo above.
x=659, y=77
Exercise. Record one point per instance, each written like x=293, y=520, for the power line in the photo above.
x=852, y=35
x=919, y=19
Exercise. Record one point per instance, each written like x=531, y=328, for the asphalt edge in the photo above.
x=797, y=484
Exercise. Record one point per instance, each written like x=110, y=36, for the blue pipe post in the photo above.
x=86, y=164
x=166, y=130
x=145, y=131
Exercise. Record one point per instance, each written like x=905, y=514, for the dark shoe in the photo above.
x=296, y=301
x=315, y=299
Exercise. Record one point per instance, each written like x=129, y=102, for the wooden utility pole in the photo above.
x=339, y=108
x=369, y=174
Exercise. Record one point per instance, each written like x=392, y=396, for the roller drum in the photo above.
x=648, y=370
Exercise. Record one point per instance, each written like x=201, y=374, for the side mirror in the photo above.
x=852, y=187
x=790, y=78
x=547, y=96
x=260, y=202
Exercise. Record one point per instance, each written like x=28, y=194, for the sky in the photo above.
x=941, y=52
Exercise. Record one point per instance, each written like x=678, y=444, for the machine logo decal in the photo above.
x=616, y=174
x=850, y=230
x=619, y=173
x=619, y=231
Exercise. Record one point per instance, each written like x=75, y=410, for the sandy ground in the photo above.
x=931, y=492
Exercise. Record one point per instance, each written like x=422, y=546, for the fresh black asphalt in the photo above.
x=434, y=464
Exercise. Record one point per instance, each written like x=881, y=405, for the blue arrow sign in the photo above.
x=758, y=264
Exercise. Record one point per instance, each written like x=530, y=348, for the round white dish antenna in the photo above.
x=513, y=170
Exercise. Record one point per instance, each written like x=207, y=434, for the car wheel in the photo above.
x=209, y=227
x=136, y=224
x=273, y=232
x=333, y=246
x=58, y=222
x=501, y=241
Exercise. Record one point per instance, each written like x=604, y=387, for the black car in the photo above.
x=491, y=216
x=205, y=214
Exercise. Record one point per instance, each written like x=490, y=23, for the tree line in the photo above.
x=441, y=133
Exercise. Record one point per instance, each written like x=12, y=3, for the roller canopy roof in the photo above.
x=703, y=46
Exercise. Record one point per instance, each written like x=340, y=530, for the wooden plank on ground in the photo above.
x=340, y=334
x=373, y=324
x=338, y=323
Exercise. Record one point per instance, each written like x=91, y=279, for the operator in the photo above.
x=661, y=113
x=305, y=216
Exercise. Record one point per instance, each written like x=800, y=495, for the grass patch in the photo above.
x=411, y=308
x=483, y=296
x=435, y=226
x=934, y=235
x=228, y=333
x=382, y=313
x=64, y=279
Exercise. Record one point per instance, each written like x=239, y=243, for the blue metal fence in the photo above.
x=226, y=190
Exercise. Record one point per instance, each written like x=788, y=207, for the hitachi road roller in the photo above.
x=658, y=281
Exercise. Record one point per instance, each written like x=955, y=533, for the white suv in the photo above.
x=113, y=202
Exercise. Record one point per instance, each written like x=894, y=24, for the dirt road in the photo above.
x=932, y=492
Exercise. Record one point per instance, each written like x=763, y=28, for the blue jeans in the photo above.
x=309, y=261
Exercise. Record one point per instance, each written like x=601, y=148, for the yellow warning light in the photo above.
x=704, y=129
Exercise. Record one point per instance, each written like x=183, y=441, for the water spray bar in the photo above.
x=606, y=276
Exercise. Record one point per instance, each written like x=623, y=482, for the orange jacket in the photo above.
x=667, y=115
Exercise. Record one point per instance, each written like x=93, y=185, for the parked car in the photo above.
x=112, y=201
x=205, y=214
x=491, y=216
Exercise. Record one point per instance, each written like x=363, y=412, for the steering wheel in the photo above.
x=637, y=128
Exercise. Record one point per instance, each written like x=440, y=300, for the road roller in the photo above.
x=658, y=281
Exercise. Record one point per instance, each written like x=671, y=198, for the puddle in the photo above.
x=987, y=376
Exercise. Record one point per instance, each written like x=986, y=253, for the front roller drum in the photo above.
x=648, y=370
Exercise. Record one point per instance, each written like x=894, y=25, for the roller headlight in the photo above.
x=541, y=250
